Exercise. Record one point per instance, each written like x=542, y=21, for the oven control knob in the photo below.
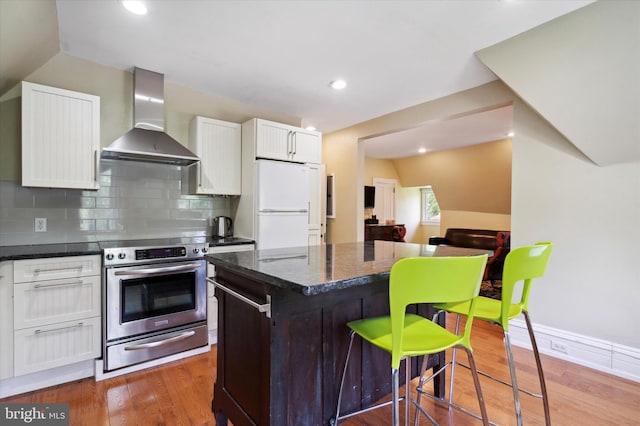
x=121, y=256
x=204, y=249
x=196, y=250
x=109, y=256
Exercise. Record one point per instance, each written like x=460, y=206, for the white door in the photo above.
x=385, y=204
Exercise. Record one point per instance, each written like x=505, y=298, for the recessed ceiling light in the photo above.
x=422, y=150
x=511, y=134
x=136, y=7
x=338, y=84
x=310, y=128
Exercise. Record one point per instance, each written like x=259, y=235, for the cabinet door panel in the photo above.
x=273, y=141
x=49, y=302
x=307, y=147
x=56, y=345
x=6, y=319
x=60, y=137
x=315, y=197
x=218, y=144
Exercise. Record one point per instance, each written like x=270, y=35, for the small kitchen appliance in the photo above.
x=222, y=226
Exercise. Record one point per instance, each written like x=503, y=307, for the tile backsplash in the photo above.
x=135, y=200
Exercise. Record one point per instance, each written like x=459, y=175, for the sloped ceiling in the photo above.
x=581, y=72
x=24, y=51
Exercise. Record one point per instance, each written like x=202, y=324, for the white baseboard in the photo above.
x=612, y=358
x=43, y=379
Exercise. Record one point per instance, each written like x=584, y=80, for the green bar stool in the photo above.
x=405, y=335
x=522, y=264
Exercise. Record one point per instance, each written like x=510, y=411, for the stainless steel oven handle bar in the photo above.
x=266, y=307
x=154, y=271
x=172, y=339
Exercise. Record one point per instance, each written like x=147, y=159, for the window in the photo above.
x=429, y=208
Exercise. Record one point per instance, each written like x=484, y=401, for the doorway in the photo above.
x=385, y=203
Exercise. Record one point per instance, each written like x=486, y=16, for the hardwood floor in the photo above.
x=179, y=393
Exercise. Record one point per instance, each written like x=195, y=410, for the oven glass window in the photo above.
x=153, y=296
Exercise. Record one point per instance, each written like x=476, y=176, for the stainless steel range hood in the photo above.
x=147, y=141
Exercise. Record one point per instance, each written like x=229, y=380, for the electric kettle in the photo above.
x=222, y=226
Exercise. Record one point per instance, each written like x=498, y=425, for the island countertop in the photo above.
x=318, y=269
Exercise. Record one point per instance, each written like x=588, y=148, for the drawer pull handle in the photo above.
x=58, y=284
x=58, y=329
x=172, y=339
x=266, y=307
x=66, y=268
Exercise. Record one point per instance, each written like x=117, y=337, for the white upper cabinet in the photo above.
x=218, y=144
x=60, y=138
x=283, y=142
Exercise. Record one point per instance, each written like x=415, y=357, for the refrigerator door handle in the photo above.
x=283, y=211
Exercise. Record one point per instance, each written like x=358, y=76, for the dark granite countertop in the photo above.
x=36, y=251
x=318, y=269
x=228, y=241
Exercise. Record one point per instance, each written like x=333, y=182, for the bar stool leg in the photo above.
x=407, y=388
x=352, y=334
x=514, y=382
x=453, y=363
x=395, y=388
x=476, y=383
x=543, y=386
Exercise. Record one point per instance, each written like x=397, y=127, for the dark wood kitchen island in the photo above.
x=282, y=331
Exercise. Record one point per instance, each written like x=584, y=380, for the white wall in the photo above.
x=592, y=214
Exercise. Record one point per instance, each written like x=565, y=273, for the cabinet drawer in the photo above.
x=55, y=268
x=41, y=348
x=54, y=301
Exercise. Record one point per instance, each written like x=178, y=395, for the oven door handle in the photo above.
x=154, y=271
x=172, y=339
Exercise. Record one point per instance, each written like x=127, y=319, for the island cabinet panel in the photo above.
x=285, y=369
x=241, y=390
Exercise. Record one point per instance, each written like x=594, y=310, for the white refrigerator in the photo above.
x=282, y=204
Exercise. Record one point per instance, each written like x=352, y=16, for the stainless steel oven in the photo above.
x=155, y=301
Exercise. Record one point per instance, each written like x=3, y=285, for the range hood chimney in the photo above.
x=147, y=141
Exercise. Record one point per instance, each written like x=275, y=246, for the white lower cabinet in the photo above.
x=56, y=322
x=56, y=345
x=212, y=302
x=6, y=320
